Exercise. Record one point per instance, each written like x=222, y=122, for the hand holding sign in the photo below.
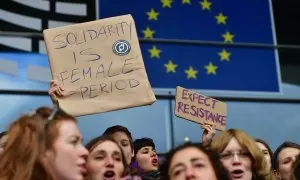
x=201, y=109
x=100, y=66
x=209, y=131
x=55, y=91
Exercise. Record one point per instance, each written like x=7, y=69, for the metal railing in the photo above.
x=178, y=41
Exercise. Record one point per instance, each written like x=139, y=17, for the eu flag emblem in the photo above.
x=205, y=67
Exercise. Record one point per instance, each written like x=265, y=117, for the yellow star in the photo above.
x=166, y=3
x=228, y=37
x=148, y=33
x=185, y=1
x=154, y=52
x=224, y=55
x=221, y=19
x=171, y=67
x=205, y=4
x=152, y=15
x=211, y=69
x=191, y=73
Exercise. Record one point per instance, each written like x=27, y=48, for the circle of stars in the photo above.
x=191, y=72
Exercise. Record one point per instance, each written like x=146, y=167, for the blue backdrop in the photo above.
x=204, y=67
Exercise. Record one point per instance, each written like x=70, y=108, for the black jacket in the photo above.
x=152, y=175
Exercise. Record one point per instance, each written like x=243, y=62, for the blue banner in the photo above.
x=198, y=66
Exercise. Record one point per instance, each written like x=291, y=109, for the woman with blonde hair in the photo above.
x=44, y=145
x=241, y=156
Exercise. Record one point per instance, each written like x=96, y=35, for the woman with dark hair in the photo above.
x=123, y=137
x=44, y=145
x=145, y=158
x=266, y=150
x=106, y=159
x=283, y=158
x=193, y=161
x=3, y=139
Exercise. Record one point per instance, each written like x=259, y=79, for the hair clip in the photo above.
x=53, y=113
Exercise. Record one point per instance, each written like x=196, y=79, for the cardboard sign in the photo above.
x=201, y=109
x=100, y=65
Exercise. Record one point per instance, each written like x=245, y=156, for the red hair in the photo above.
x=28, y=139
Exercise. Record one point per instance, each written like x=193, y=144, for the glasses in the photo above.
x=239, y=154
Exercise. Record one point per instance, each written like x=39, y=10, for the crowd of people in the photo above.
x=47, y=144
